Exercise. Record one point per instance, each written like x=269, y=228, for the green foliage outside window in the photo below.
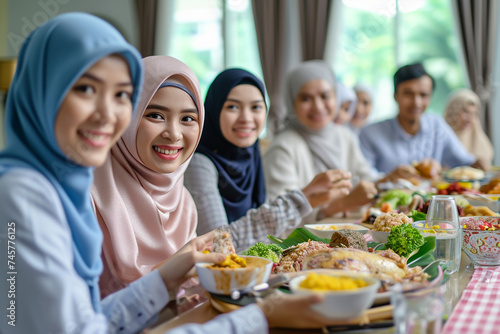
x=367, y=52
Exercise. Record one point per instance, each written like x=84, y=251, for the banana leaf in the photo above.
x=424, y=256
x=296, y=237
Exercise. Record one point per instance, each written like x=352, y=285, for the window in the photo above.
x=212, y=35
x=367, y=48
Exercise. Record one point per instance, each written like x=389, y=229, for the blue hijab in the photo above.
x=241, y=178
x=51, y=59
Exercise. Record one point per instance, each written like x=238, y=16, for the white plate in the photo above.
x=326, y=230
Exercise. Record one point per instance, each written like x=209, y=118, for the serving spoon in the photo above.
x=262, y=289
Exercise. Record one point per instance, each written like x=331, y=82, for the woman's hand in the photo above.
x=283, y=310
x=328, y=186
x=180, y=266
x=361, y=195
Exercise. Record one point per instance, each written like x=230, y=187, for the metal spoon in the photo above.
x=261, y=289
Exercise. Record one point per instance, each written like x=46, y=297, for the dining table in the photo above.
x=200, y=309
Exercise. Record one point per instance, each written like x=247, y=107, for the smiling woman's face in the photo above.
x=95, y=112
x=168, y=131
x=243, y=115
x=315, y=104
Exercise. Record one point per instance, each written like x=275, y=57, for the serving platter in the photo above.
x=487, y=177
x=327, y=230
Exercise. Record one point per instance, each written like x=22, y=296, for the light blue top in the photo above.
x=40, y=290
x=386, y=145
x=53, y=57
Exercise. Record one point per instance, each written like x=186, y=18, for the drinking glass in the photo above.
x=417, y=310
x=443, y=223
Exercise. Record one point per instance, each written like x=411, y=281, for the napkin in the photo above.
x=478, y=310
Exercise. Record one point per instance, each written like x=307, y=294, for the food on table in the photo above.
x=271, y=252
x=333, y=227
x=371, y=215
x=292, y=257
x=465, y=173
x=493, y=187
x=478, y=211
x=319, y=282
x=348, y=239
x=392, y=199
x=455, y=188
x=231, y=261
x=461, y=204
x=417, y=202
x=427, y=168
x=391, y=219
x=404, y=239
x=224, y=280
x=222, y=241
x=385, y=265
x=483, y=224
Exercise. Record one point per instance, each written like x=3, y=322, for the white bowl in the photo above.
x=342, y=304
x=326, y=230
x=224, y=280
x=379, y=236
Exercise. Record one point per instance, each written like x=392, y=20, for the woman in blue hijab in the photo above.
x=73, y=94
x=225, y=176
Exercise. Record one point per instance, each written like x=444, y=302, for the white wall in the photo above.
x=25, y=15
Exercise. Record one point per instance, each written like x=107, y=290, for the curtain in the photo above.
x=476, y=29
x=314, y=17
x=146, y=12
x=270, y=26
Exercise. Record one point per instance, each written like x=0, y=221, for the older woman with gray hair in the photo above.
x=311, y=143
x=462, y=114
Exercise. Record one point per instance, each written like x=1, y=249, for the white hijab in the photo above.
x=323, y=143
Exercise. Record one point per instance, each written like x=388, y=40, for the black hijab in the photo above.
x=241, y=178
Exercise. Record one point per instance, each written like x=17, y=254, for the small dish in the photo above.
x=481, y=246
x=326, y=230
x=224, y=281
x=379, y=236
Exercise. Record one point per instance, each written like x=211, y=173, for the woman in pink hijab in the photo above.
x=145, y=212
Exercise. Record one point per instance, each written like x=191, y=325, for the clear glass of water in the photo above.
x=417, y=310
x=443, y=223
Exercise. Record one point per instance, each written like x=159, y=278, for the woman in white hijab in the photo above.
x=312, y=143
x=462, y=115
x=346, y=104
x=361, y=117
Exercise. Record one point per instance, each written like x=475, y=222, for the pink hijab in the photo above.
x=145, y=216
